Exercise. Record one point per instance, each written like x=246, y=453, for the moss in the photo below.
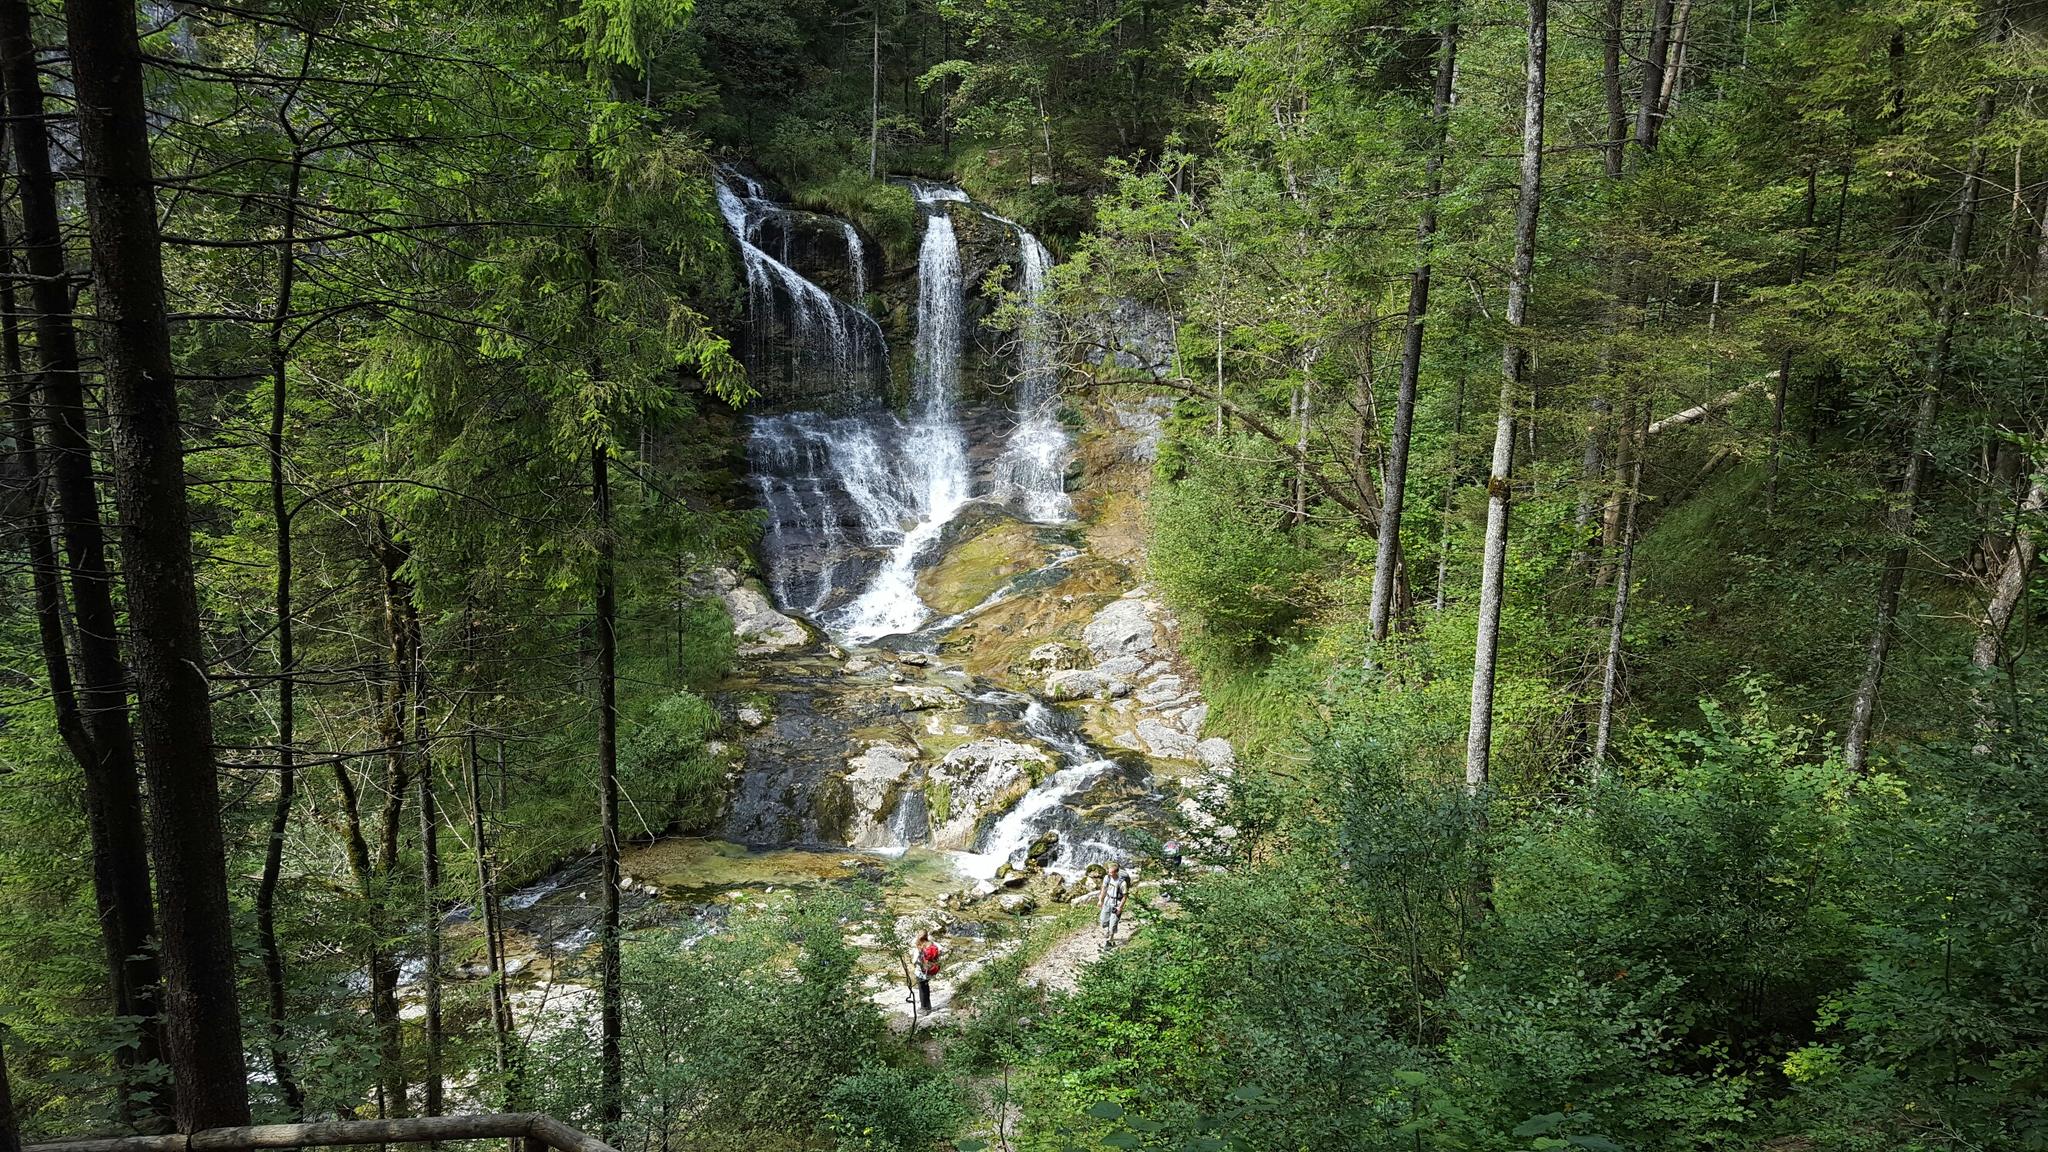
x=973, y=571
x=938, y=799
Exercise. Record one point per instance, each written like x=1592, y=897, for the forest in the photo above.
x=1026, y=575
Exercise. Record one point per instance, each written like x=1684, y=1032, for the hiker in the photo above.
x=1116, y=888
x=926, y=955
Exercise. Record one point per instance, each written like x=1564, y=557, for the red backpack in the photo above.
x=931, y=959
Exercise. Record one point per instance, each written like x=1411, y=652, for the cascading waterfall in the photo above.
x=1031, y=473
x=825, y=340
x=933, y=447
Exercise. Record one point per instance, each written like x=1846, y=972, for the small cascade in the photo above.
x=799, y=335
x=1031, y=473
x=856, y=261
x=1048, y=807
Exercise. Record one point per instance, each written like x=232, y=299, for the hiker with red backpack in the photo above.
x=926, y=958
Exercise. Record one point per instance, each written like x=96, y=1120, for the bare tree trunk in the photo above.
x=1616, y=147
x=1785, y=355
x=430, y=878
x=45, y=575
x=612, y=1009
x=10, y=1129
x=1395, y=484
x=2012, y=578
x=1443, y=551
x=203, y=1039
x=1862, y=713
x=1649, y=105
x=1610, y=679
x=875, y=90
x=113, y=802
x=1674, y=76
x=1514, y=369
x=487, y=908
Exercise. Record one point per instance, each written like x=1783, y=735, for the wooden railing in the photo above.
x=536, y=1132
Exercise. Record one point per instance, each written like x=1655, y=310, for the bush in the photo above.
x=893, y=1110
x=1219, y=551
x=665, y=756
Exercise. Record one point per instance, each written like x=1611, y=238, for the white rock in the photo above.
x=1052, y=657
x=752, y=716
x=756, y=624
x=1124, y=667
x=1082, y=683
x=1165, y=742
x=858, y=663
x=872, y=787
x=1162, y=690
x=978, y=777
x=920, y=697
x=1124, y=627
x=1216, y=752
x=1191, y=721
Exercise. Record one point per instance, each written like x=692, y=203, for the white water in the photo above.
x=1021, y=825
x=826, y=338
x=1031, y=473
x=933, y=449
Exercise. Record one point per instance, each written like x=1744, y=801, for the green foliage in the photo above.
x=893, y=1110
x=664, y=756
x=1219, y=550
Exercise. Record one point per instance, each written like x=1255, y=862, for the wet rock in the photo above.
x=924, y=697
x=976, y=778
x=1052, y=657
x=1125, y=627
x=873, y=786
x=858, y=663
x=1084, y=684
x=1018, y=904
x=1016, y=879
x=1043, y=846
x=914, y=659
x=756, y=624
x=1165, y=742
x=1216, y=752
x=752, y=716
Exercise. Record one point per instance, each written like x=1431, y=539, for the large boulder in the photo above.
x=1164, y=741
x=756, y=624
x=976, y=778
x=874, y=784
x=1084, y=684
x=1123, y=628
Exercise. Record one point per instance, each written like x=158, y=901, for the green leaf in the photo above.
x=1105, y=1110
x=1538, y=1125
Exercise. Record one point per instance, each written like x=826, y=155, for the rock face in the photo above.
x=875, y=793
x=756, y=624
x=1124, y=628
x=977, y=777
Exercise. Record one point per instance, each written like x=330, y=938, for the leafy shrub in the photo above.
x=665, y=755
x=1219, y=550
x=893, y=1110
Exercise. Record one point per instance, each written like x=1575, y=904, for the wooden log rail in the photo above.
x=536, y=1131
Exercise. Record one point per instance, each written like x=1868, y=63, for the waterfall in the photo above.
x=856, y=260
x=1031, y=474
x=827, y=343
x=933, y=448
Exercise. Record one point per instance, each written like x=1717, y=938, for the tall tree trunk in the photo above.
x=612, y=1071
x=203, y=1037
x=10, y=1129
x=287, y=658
x=45, y=576
x=1443, y=551
x=875, y=90
x=1514, y=370
x=430, y=879
x=1863, y=712
x=1395, y=484
x=2012, y=578
x=1614, y=152
x=1650, y=101
x=1785, y=354
x=1610, y=678
x=487, y=906
x=113, y=803
x=378, y=878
